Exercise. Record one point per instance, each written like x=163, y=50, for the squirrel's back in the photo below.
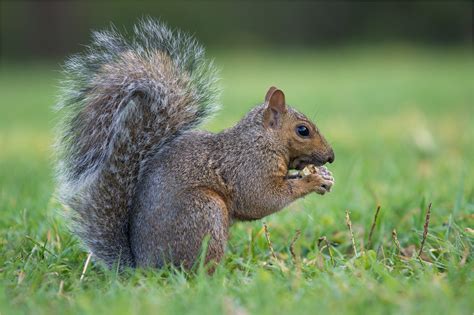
x=122, y=100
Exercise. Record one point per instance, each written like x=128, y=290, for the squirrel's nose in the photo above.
x=331, y=157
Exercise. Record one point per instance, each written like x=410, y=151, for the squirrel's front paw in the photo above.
x=321, y=181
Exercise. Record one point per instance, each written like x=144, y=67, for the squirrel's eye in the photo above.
x=302, y=131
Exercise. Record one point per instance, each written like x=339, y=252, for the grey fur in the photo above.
x=121, y=100
x=143, y=186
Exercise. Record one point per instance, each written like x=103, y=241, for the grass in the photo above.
x=400, y=121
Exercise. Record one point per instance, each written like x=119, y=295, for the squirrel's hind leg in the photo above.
x=176, y=234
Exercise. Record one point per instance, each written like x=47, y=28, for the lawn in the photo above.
x=401, y=123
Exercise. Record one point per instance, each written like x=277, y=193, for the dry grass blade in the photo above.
x=349, y=226
x=374, y=222
x=61, y=287
x=425, y=229
x=465, y=254
x=325, y=240
x=86, y=264
x=292, y=246
x=395, y=240
x=267, y=236
x=21, y=276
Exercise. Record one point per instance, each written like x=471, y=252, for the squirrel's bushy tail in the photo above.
x=121, y=101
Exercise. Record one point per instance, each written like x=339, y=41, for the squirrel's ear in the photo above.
x=275, y=107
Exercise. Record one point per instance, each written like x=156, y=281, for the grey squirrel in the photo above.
x=144, y=188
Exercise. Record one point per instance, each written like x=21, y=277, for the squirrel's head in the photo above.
x=306, y=145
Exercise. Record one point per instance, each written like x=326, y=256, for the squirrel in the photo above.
x=142, y=186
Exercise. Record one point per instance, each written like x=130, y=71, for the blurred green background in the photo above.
x=389, y=84
x=52, y=29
